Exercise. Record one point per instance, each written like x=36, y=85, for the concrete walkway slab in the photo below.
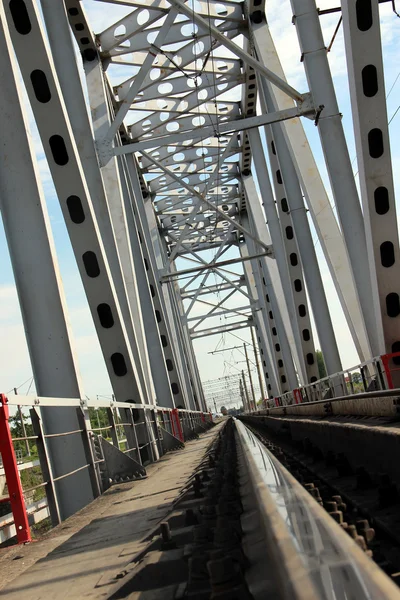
x=82, y=557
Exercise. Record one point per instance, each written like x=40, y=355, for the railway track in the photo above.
x=243, y=528
x=365, y=504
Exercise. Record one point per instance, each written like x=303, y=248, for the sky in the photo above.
x=15, y=368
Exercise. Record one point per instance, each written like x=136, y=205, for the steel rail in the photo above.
x=360, y=396
x=313, y=555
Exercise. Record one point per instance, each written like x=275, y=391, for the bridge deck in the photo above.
x=82, y=556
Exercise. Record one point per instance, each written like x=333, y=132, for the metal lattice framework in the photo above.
x=154, y=136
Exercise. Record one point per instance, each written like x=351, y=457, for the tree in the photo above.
x=321, y=364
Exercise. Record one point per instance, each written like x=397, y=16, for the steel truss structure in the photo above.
x=178, y=155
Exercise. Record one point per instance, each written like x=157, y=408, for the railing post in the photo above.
x=14, y=486
x=45, y=465
x=177, y=427
x=87, y=443
x=385, y=362
x=113, y=430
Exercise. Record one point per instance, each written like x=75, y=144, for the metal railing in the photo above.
x=139, y=431
x=377, y=374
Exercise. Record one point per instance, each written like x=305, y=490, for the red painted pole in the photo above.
x=385, y=362
x=14, y=486
x=178, y=426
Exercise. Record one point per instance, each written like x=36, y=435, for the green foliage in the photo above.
x=321, y=364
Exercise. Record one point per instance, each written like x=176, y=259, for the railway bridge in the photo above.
x=204, y=188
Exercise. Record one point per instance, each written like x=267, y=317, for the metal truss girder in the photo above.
x=162, y=123
x=190, y=154
x=212, y=289
x=205, y=132
x=370, y=122
x=158, y=184
x=142, y=40
x=218, y=330
x=247, y=58
x=63, y=159
x=110, y=39
x=200, y=246
x=316, y=196
x=235, y=311
x=227, y=10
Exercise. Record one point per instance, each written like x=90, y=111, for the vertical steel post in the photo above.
x=264, y=325
x=248, y=404
x=314, y=54
x=63, y=55
x=38, y=281
x=277, y=241
x=324, y=220
x=254, y=403
x=288, y=378
x=292, y=201
x=370, y=121
x=260, y=379
x=15, y=492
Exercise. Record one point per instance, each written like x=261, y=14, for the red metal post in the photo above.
x=297, y=396
x=178, y=427
x=385, y=358
x=15, y=491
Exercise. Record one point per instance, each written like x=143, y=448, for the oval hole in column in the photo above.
x=369, y=77
x=175, y=388
x=105, y=315
x=289, y=232
x=118, y=364
x=293, y=259
x=306, y=335
x=158, y=316
x=75, y=209
x=280, y=363
x=164, y=341
x=313, y=378
x=310, y=358
x=279, y=176
x=20, y=16
x=284, y=205
x=40, y=86
x=90, y=263
x=283, y=379
x=152, y=291
x=169, y=364
x=146, y=264
x=381, y=197
x=375, y=143
x=267, y=297
x=89, y=54
x=273, y=331
x=277, y=347
x=387, y=254
x=364, y=14
x=264, y=363
x=396, y=348
x=273, y=147
x=271, y=316
x=269, y=387
x=262, y=351
x=302, y=310
x=297, y=285
x=58, y=150
x=393, y=305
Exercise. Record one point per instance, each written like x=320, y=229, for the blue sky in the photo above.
x=14, y=360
